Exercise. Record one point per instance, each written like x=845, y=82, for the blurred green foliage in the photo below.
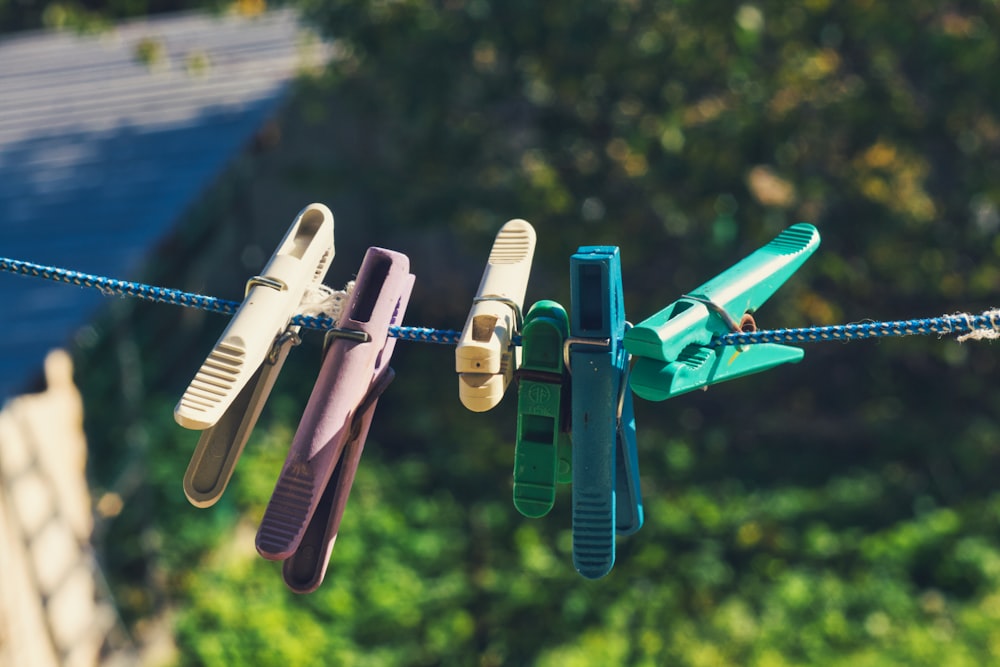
x=842, y=511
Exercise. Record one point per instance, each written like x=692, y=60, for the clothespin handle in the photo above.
x=301, y=259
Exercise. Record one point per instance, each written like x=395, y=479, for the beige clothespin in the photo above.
x=229, y=390
x=486, y=357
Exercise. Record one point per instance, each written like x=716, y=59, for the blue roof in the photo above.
x=101, y=153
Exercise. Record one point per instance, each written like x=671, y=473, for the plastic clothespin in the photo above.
x=299, y=526
x=486, y=357
x=606, y=497
x=540, y=457
x=227, y=394
x=671, y=347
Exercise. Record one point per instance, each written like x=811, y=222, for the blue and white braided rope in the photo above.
x=965, y=325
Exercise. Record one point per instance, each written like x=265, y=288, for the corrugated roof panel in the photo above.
x=100, y=153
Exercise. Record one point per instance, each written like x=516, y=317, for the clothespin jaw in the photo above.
x=629, y=514
x=486, y=357
x=344, y=391
x=540, y=409
x=605, y=467
x=671, y=347
x=272, y=298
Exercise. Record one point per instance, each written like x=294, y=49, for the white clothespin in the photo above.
x=227, y=394
x=485, y=358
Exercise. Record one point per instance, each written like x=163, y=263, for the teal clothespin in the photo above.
x=606, y=496
x=540, y=453
x=672, y=345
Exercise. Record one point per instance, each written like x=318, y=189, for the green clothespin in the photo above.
x=541, y=458
x=671, y=347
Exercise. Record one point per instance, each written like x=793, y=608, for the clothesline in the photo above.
x=964, y=325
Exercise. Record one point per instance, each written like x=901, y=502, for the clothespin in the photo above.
x=227, y=394
x=606, y=497
x=671, y=347
x=303, y=516
x=486, y=357
x=541, y=457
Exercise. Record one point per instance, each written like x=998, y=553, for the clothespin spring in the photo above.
x=289, y=336
x=606, y=342
x=349, y=334
x=746, y=324
x=507, y=301
x=571, y=340
x=265, y=281
x=624, y=388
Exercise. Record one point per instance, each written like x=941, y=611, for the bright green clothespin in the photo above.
x=671, y=347
x=538, y=463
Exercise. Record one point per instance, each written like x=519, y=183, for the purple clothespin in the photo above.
x=302, y=518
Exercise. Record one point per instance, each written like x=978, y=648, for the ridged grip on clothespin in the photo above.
x=485, y=357
x=272, y=299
